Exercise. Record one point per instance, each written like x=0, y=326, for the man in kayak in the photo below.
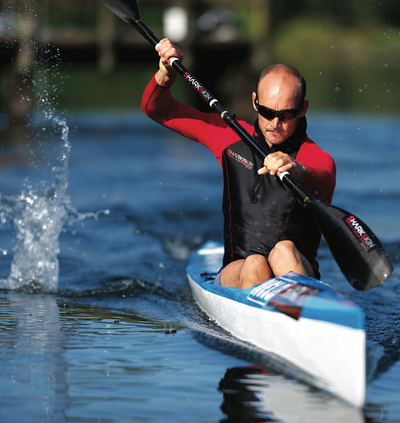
x=267, y=232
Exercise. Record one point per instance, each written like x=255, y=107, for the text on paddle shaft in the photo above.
x=361, y=233
x=197, y=86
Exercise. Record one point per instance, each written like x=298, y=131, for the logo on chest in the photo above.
x=242, y=160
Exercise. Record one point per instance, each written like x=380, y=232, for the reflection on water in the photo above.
x=254, y=394
x=63, y=363
x=66, y=363
x=33, y=375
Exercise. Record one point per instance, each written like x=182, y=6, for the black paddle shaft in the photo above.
x=215, y=105
x=356, y=249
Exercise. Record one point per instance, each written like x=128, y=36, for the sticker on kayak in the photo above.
x=283, y=295
x=264, y=292
x=292, y=300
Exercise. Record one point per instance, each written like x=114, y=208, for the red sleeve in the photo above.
x=207, y=128
x=322, y=168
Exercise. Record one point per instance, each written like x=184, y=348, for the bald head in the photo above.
x=281, y=73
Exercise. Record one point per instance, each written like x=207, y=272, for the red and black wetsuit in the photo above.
x=258, y=210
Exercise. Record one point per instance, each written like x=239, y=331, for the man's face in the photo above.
x=279, y=91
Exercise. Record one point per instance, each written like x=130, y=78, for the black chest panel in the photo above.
x=259, y=211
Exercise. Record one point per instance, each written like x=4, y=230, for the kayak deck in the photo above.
x=298, y=319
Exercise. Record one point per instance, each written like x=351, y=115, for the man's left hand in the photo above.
x=278, y=162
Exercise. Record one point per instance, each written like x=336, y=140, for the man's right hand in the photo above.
x=167, y=74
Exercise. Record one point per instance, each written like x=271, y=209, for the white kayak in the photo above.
x=297, y=320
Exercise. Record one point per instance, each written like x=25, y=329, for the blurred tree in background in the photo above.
x=350, y=13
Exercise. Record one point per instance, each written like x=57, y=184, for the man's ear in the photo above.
x=253, y=97
x=305, y=108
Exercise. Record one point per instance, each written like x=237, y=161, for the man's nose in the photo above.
x=275, y=122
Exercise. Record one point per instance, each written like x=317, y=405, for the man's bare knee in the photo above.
x=256, y=260
x=283, y=249
x=230, y=275
x=285, y=257
x=254, y=271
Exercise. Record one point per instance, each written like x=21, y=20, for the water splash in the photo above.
x=38, y=218
x=38, y=212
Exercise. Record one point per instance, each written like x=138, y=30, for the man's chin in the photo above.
x=275, y=139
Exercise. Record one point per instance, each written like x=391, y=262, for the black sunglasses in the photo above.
x=282, y=115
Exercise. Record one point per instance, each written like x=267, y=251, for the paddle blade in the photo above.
x=356, y=249
x=127, y=10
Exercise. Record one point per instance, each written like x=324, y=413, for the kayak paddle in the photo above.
x=357, y=251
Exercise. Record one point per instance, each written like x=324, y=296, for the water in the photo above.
x=118, y=336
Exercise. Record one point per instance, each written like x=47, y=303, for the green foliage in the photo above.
x=66, y=15
x=349, y=13
x=319, y=40
x=346, y=67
